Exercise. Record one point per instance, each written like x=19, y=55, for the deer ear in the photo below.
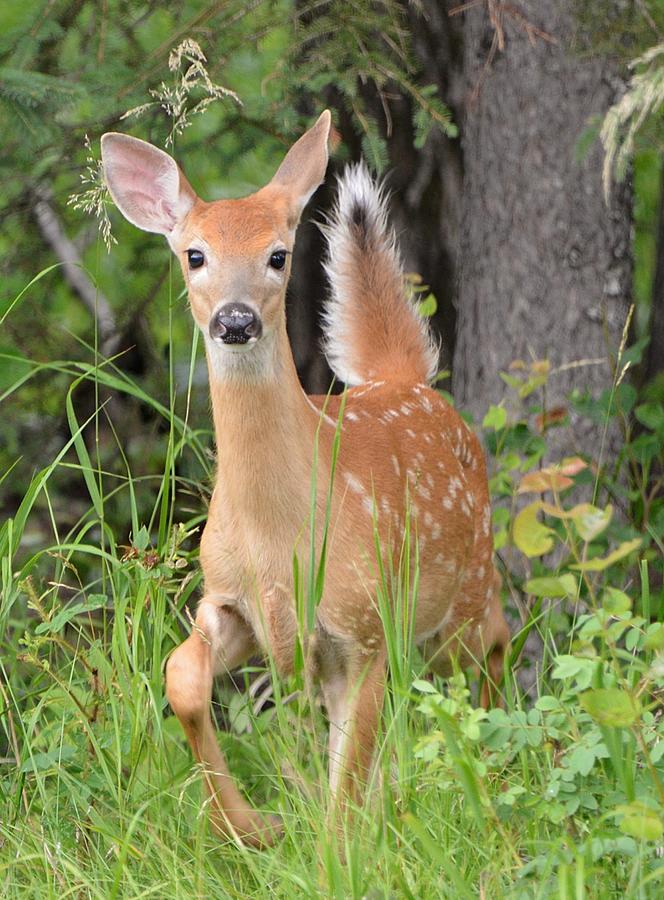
x=303, y=168
x=146, y=184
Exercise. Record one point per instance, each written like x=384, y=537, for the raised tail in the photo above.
x=372, y=328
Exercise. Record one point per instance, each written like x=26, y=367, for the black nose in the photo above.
x=235, y=323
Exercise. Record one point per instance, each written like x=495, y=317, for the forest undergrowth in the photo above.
x=558, y=793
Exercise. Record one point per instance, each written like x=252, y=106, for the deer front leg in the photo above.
x=220, y=641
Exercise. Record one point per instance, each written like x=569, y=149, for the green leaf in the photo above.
x=427, y=306
x=547, y=703
x=611, y=706
x=141, y=539
x=589, y=520
x=530, y=535
x=616, y=602
x=551, y=586
x=640, y=821
x=581, y=760
x=600, y=563
x=94, y=601
x=40, y=762
x=495, y=418
x=424, y=686
x=651, y=415
x=654, y=639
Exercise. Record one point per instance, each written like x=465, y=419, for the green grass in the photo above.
x=98, y=794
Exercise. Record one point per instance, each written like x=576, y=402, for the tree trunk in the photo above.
x=546, y=266
x=654, y=363
x=425, y=185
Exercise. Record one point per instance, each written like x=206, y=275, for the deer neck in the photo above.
x=265, y=428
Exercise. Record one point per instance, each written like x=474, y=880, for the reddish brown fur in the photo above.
x=387, y=342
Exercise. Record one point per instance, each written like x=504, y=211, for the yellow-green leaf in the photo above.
x=529, y=534
x=600, y=563
x=590, y=520
x=611, y=706
x=495, y=418
x=552, y=586
x=640, y=821
x=616, y=602
x=654, y=639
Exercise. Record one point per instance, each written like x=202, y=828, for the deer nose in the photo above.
x=235, y=323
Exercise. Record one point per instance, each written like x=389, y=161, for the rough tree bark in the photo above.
x=546, y=266
x=654, y=363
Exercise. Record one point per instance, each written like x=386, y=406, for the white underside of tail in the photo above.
x=357, y=190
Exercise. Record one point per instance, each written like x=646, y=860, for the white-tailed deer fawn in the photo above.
x=403, y=451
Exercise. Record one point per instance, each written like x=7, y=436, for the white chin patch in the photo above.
x=251, y=362
x=235, y=348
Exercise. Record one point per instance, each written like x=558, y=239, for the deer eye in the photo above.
x=196, y=259
x=278, y=259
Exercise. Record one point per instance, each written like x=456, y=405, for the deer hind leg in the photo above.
x=481, y=645
x=496, y=643
x=221, y=641
x=354, y=702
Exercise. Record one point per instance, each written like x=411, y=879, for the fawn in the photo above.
x=403, y=452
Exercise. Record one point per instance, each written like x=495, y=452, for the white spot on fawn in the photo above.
x=353, y=483
x=486, y=520
x=424, y=491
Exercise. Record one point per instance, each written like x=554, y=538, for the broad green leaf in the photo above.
x=427, y=306
x=495, y=418
x=600, y=563
x=616, y=602
x=547, y=703
x=651, y=415
x=424, y=686
x=141, y=539
x=589, y=520
x=530, y=535
x=654, y=639
x=581, y=760
x=611, y=706
x=40, y=762
x=552, y=586
x=640, y=821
